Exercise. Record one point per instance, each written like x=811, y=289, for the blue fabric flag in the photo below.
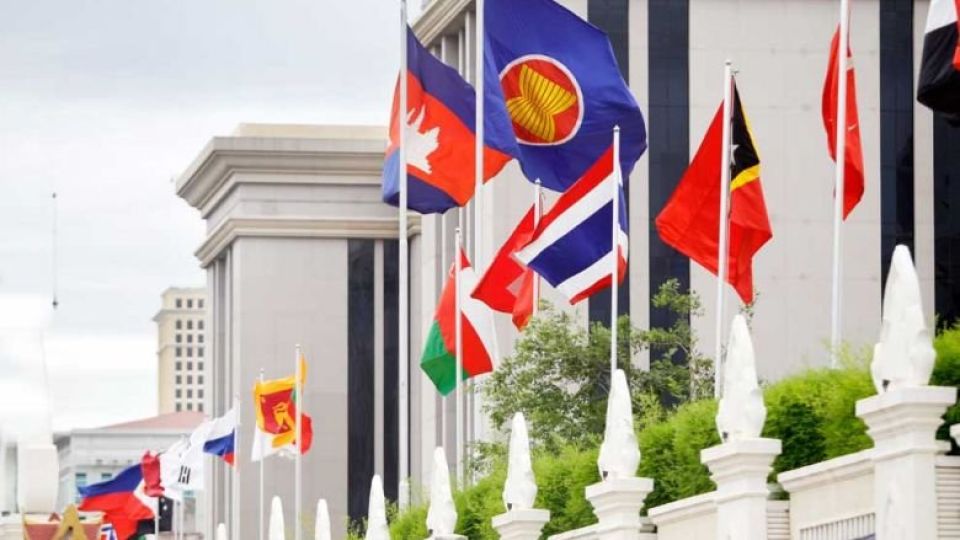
x=562, y=88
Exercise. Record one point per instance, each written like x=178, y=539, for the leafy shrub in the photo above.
x=947, y=373
x=671, y=452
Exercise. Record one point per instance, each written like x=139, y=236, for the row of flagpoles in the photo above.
x=720, y=261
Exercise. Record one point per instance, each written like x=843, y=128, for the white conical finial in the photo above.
x=377, y=528
x=520, y=489
x=221, y=532
x=619, y=453
x=322, y=531
x=904, y=356
x=741, y=413
x=442, y=515
x=276, y=531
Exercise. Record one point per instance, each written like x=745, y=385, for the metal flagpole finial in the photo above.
x=616, y=128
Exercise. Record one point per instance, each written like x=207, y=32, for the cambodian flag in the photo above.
x=559, y=81
x=121, y=499
x=440, y=144
x=220, y=439
x=572, y=246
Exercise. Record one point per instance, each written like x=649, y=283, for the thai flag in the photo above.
x=220, y=439
x=121, y=499
x=571, y=248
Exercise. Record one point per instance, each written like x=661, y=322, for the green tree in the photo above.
x=559, y=374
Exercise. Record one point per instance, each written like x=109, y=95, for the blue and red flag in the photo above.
x=560, y=83
x=571, y=247
x=440, y=139
x=220, y=439
x=121, y=499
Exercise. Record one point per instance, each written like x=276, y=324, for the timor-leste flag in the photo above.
x=690, y=222
x=939, y=84
x=479, y=340
x=853, y=183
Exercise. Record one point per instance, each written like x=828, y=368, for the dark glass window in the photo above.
x=200, y=304
x=179, y=324
x=179, y=303
x=189, y=325
x=200, y=324
x=179, y=352
x=190, y=303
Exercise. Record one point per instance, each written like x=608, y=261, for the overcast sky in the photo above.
x=104, y=102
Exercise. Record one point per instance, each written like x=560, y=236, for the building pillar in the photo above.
x=902, y=423
x=740, y=469
x=521, y=524
x=617, y=503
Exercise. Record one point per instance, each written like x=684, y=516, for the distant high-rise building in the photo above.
x=181, y=350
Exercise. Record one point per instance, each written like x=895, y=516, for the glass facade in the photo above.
x=668, y=128
x=896, y=128
x=612, y=16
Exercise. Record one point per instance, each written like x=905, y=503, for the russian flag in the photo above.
x=571, y=247
x=220, y=439
x=121, y=499
x=439, y=120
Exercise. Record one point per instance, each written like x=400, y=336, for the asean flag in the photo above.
x=439, y=120
x=560, y=83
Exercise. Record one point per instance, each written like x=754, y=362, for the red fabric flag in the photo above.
x=956, y=54
x=150, y=467
x=853, y=155
x=690, y=222
x=506, y=286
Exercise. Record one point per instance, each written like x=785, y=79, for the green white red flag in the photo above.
x=479, y=339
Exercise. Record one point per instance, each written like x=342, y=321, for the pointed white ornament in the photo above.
x=904, y=356
x=276, y=530
x=377, y=528
x=442, y=515
x=221, y=532
x=520, y=489
x=619, y=453
x=322, y=531
x=741, y=412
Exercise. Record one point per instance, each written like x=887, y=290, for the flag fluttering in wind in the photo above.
x=561, y=85
x=479, y=340
x=572, y=246
x=507, y=285
x=121, y=499
x=939, y=84
x=276, y=412
x=853, y=183
x=690, y=222
x=439, y=120
x=221, y=436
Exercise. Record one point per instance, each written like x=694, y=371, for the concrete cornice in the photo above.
x=207, y=180
x=273, y=227
x=438, y=16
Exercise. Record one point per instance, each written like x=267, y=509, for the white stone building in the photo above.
x=182, y=350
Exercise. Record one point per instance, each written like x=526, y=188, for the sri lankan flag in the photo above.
x=690, y=222
x=276, y=413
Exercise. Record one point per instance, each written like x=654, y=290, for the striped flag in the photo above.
x=571, y=247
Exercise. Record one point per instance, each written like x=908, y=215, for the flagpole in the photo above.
x=537, y=210
x=298, y=462
x=458, y=373
x=478, y=204
x=723, y=245
x=614, y=250
x=260, y=498
x=841, y=153
x=235, y=491
x=402, y=298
